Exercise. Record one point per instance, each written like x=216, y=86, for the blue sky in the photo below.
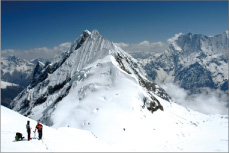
x=28, y=24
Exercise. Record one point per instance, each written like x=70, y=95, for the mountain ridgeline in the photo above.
x=15, y=70
x=92, y=75
x=195, y=62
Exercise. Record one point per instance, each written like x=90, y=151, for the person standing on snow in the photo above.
x=39, y=128
x=28, y=130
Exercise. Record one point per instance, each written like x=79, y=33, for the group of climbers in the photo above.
x=38, y=127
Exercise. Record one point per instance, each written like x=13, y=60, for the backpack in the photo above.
x=18, y=136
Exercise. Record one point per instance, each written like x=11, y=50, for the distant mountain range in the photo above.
x=193, y=61
x=16, y=74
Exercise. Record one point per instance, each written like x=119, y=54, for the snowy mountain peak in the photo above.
x=171, y=40
x=226, y=32
x=95, y=32
x=195, y=43
x=11, y=57
x=88, y=85
x=86, y=32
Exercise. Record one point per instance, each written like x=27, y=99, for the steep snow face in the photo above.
x=190, y=55
x=93, y=84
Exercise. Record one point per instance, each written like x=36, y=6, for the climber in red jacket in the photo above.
x=39, y=128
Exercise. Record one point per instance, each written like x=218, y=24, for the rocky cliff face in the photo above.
x=193, y=61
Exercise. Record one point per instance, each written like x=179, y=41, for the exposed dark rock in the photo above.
x=194, y=76
x=119, y=60
x=224, y=86
x=9, y=93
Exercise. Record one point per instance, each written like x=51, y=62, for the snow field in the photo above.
x=5, y=84
x=54, y=139
x=176, y=129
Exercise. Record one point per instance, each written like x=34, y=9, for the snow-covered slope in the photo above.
x=176, y=129
x=5, y=84
x=54, y=139
x=193, y=61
